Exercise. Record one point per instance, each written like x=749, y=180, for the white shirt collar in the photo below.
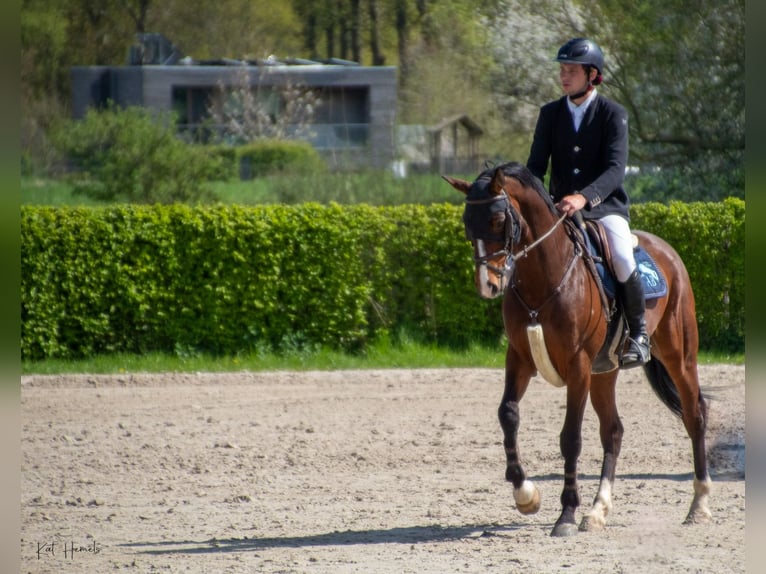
x=578, y=112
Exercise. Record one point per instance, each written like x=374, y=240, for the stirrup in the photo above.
x=637, y=352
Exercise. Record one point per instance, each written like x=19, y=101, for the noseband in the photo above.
x=511, y=235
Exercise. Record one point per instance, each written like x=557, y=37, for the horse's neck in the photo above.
x=549, y=257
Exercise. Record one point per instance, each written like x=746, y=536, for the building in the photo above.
x=449, y=147
x=352, y=125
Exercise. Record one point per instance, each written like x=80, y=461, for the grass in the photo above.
x=408, y=355
x=374, y=188
x=52, y=192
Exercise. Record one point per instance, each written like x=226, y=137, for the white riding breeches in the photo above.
x=620, y=244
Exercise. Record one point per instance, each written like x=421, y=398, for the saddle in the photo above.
x=597, y=246
x=592, y=238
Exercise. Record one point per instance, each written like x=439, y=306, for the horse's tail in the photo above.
x=663, y=385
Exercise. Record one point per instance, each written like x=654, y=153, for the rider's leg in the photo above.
x=630, y=289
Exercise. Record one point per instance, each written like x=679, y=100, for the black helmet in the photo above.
x=581, y=51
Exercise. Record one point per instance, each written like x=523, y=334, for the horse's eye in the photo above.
x=497, y=223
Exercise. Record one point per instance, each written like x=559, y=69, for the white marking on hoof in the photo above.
x=595, y=519
x=527, y=498
x=699, y=513
x=592, y=522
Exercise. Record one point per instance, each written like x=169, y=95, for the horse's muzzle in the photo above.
x=491, y=280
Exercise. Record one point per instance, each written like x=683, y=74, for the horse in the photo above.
x=556, y=321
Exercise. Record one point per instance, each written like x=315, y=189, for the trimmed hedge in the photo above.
x=710, y=238
x=233, y=279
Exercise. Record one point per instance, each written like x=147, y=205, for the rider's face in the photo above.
x=573, y=78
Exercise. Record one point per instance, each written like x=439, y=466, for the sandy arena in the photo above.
x=382, y=471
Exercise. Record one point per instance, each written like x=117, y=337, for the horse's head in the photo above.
x=492, y=225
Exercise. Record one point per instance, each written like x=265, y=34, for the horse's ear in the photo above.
x=460, y=184
x=497, y=183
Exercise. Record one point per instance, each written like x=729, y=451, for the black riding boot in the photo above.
x=636, y=352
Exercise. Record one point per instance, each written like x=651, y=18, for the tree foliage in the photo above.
x=677, y=66
x=678, y=69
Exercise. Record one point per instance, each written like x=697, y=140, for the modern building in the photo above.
x=353, y=119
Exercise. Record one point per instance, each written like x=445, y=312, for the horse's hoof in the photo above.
x=699, y=516
x=527, y=498
x=699, y=513
x=564, y=529
x=531, y=507
x=590, y=523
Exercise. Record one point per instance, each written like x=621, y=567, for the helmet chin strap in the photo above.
x=579, y=95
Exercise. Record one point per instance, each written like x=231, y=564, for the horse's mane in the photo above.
x=524, y=176
x=528, y=179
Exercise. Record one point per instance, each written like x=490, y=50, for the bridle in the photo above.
x=511, y=235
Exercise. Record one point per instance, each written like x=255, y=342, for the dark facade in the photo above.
x=352, y=127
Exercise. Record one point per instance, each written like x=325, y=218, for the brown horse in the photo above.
x=556, y=323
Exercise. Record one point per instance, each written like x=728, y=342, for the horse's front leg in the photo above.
x=571, y=445
x=602, y=397
x=517, y=376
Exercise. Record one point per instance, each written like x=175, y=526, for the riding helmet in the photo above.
x=581, y=51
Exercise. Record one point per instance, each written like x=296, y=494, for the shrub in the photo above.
x=133, y=155
x=267, y=157
x=226, y=161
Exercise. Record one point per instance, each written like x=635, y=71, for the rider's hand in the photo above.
x=570, y=204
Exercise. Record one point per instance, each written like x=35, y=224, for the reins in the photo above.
x=534, y=312
x=507, y=247
x=524, y=252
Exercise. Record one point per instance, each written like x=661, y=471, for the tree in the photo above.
x=449, y=67
x=138, y=11
x=245, y=112
x=229, y=28
x=526, y=35
x=680, y=72
x=378, y=59
x=666, y=62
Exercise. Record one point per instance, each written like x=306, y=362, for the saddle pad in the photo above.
x=652, y=279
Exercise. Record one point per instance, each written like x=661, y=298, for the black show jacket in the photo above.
x=590, y=161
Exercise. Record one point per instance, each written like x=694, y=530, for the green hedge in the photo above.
x=233, y=279
x=710, y=238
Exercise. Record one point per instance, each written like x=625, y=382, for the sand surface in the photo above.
x=357, y=471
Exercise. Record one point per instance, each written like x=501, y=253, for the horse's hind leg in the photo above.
x=602, y=396
x=694, y=414
x=673, y=375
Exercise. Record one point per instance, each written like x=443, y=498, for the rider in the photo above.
x=585, y=136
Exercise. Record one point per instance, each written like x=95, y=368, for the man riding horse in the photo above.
x=585, y=137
